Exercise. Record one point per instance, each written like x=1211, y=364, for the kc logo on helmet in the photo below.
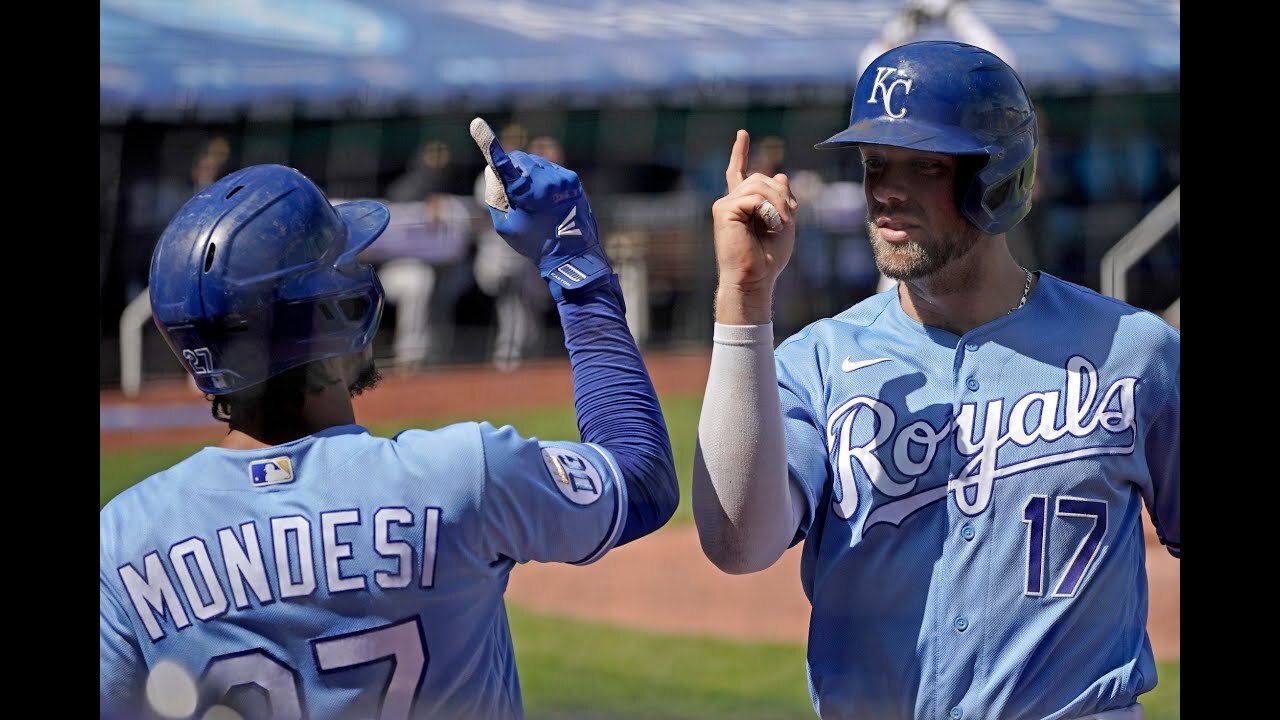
x=886, y=91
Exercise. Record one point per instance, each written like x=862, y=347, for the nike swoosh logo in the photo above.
x=849, y=364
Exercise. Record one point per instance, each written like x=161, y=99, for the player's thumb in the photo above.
x=495, y=196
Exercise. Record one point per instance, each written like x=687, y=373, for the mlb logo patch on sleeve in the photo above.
x=575, y=477
x=272, y=471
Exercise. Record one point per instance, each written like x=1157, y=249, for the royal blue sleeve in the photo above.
x=616, y=404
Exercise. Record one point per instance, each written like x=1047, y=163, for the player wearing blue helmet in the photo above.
x=966, y=455
x=305, y=568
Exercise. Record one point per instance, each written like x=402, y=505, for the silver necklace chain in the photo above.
x=1026, y=290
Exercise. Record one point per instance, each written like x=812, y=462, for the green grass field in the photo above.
x=572, y=670
x=584, y=671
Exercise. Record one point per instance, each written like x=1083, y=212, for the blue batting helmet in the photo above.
x=257, y=274
x=955, y=99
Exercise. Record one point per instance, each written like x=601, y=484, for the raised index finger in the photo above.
x=737, y=160
x=493, y=152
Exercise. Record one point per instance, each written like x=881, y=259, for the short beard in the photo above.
x=368, y=379
x=914, y=260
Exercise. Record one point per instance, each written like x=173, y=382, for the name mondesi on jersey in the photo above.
x=291, y=538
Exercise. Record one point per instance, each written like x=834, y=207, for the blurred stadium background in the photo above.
x=373, y=99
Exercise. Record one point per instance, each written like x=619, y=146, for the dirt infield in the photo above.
x=662, y=582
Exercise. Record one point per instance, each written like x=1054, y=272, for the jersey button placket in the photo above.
x=964, y=567
x=956, y=713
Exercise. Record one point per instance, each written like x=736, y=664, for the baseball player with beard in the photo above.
x=303, y=568
x=966, y=455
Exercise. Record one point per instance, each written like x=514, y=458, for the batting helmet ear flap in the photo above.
x=998, y=196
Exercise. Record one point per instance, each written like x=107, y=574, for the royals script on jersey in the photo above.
x=974, y=542
x=345, y=575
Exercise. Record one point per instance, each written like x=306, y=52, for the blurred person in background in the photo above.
x=211, y=163
x=151, y=202
x=503, y=274
x=428, y=234
x=306, y=568
x=832, y=255
x=427, y=173
x=844, y=217
x=768, y=156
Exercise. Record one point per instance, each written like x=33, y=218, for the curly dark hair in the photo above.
x=284, y=394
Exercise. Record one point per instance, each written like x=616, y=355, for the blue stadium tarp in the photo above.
x=166, y=54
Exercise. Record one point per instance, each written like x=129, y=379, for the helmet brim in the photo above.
x=365, y=221
x=908, y=134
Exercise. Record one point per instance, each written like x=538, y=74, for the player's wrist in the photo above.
x=738, y=304
x=607, y=284
x=568, y=252
x=582, y=271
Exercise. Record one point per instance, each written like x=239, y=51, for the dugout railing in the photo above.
x=1131, y=248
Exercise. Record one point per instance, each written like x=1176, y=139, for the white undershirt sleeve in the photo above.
x=745, y=507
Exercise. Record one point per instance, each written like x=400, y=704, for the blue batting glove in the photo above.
x=541, y=210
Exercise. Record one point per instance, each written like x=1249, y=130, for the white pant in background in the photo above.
x=408, y=283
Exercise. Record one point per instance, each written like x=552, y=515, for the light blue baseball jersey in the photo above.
x=345, y=575
x=974, y=546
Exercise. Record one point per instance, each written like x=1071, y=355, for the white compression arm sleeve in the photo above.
x=745, y=507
